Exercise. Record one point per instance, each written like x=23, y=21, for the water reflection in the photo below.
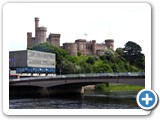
x=110, y=100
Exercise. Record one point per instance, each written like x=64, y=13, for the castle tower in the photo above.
x=36, y=25
x=29, y=40
x=109, y=43
x=71, y=48
x=81, y=46
x=93, y=47
x=41, y=35
x=54, y=39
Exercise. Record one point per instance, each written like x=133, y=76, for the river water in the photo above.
x=109, y=100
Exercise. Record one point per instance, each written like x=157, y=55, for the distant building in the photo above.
x=79, y=46
x=33, y=62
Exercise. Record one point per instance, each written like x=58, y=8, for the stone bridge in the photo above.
x=70, y=84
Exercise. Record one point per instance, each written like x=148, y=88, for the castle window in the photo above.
x=81, y=46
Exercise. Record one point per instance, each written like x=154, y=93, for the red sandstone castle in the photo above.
x=79, y=46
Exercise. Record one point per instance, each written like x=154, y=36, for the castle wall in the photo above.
x=100, y=52
x=48, y=40
x=33, y=41
x=89, y=48
x=101, y=47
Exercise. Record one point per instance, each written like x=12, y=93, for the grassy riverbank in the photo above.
x=117, y=87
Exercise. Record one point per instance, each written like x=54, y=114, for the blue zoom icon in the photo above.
x=147, y=99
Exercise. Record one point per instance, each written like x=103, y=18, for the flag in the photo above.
x=85, y=34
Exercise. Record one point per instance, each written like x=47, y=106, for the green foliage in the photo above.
x=122, y=87
x=90, y=60
x=101, y=87
x=140, y=61
x=72, y=58
x=102, y=68
x=86, y=68
x=79, y=54
x=120, y=53
x=133, y=54
x=121, y=65
x=109, y=55
x=67, y=67
x=132, y=48
x=115, y=68
x=117, y=87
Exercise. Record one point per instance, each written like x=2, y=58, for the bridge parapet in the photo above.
x=85, y=76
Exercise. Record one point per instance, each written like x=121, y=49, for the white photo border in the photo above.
x=8, y=111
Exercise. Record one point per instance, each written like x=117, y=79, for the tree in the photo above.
x=140, y=61
x=67, y=67
x=120, y=53
x=86, y=68
x=133, y=54
x=132, y=47
x=71, y=58
x=109, y=54
x=131, y=50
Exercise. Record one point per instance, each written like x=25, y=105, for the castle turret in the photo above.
x=54, y=39
x=81, y=46
x=71, y=48
x=93, y=47
x=41, y=35
x=109, y=43
x=36, y=25
x=29, y=40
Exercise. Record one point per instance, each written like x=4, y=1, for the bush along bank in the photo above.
x=110, y=87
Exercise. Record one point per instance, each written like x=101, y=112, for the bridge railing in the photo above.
x=89, y=75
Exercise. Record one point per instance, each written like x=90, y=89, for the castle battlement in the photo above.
x=55, y=35
x=80, y=40
x=42, y=29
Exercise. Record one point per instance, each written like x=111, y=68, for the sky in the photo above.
x=122, y=22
